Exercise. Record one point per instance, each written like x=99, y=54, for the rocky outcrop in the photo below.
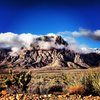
x=36, y=57
x=80, y=61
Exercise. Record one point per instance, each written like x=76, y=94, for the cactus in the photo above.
x=8, y=82
x=20, y=80
x=23, y=80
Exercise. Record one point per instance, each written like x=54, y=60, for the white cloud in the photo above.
x=76, y=34
x=85, y=49
x=51, y=34
x=8, y=39
x=12, y=40
x=27, y=39
x=97, y=33
x=16, y=41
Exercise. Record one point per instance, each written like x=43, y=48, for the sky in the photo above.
x=52, y=16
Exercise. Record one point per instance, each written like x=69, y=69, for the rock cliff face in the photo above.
x=4, y=53
x=36, y=57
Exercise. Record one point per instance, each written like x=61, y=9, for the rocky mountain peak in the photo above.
x=48, y=51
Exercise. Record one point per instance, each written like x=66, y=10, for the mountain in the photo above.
x=52, y=53
x=95, y=50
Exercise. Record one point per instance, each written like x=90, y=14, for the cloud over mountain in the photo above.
x=16, y=41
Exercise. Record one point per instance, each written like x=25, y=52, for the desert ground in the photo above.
x=52, y=84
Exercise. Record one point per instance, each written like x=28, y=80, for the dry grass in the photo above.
x=83, y=82
x=77, y=89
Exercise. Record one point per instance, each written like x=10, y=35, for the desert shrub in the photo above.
x=76, y=89
x=17, y=82
x=34, y=89
x=96, y=82
x=37, y=86
x=74, y=83
x=85, y=84
x=43, y=89
x=37, y=89
x=92, y=83
x=53, y=82
x=88, y=85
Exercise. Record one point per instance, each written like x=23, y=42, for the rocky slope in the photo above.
x=55, y=56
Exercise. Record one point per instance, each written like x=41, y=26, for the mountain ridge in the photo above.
x=56, y=56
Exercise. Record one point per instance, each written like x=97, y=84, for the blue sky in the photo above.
x=50, y=16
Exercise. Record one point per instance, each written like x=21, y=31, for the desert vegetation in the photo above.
x=87, y=83
x=80, y=84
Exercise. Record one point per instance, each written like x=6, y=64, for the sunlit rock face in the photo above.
x=48, y=51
